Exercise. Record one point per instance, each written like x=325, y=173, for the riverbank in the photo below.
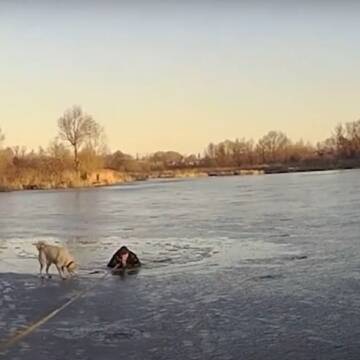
x=108, y=177
x=103, y=177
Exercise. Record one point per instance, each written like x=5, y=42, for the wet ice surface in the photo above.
x=254, y=268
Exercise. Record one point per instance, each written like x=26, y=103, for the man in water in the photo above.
x=123, y=259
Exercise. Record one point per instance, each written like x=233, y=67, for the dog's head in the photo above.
x=71, y=266
x=40, y=245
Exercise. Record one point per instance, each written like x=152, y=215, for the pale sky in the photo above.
x=175, y=75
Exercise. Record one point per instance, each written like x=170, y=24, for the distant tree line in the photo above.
x=273, y=148
x=80, y=149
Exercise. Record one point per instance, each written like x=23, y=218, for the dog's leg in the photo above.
x=47, y=271
x=64, y=272
x=41, y=269
x=60, y=272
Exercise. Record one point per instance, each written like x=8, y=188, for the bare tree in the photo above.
x=78, y=128
x=242, y=152
x=273, y=146
x=2, y=156
x=2, y=137
x=353, y=136
x=118, y=160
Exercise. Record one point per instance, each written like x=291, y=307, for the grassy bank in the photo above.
x=68, y=180
x=107, y=177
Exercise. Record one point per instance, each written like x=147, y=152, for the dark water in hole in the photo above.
x=240, y=267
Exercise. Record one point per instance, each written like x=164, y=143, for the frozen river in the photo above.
x=260, y=267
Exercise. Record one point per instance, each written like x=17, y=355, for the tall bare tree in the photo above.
x=273, y=146
x=78, y=128
x=2, y=137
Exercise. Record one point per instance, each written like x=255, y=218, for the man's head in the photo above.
x=123, y=255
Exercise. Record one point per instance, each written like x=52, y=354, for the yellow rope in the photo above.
x=20, y=334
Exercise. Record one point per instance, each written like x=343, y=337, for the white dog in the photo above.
x=57, y=255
